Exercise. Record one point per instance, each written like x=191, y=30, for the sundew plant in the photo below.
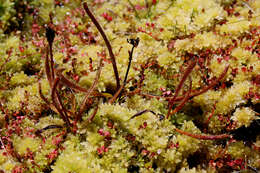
x=129, y=86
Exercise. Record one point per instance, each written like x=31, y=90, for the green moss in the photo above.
x=20, y=79
x=23, y=144
x=238, y=150
x=7, y=13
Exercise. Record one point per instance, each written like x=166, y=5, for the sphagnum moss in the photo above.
x=218, y=97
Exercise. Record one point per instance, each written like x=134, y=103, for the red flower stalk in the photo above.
x=179, y=87
x=182, y=103
x=92, y=116
x=194, y=93
x=94, y=85
x=95, y=22
x=58, y=104
x=204, y=137
x=211, y=85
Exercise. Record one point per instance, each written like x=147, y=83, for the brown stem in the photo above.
x=47, y=69
x=185, y=76
x=212, y=84
x=203, y=137
x=112, y=57
x=91, y=89
x=90, y=119
x=68, y=83
x=41, y=95
x=46, y=100
x=116, y=94
x=52, y=61
x=211, y=114
x=50, y=35
x=142, y=112
x=57, y=102
x=134, y=43
x=184, y=100
x=194, y=93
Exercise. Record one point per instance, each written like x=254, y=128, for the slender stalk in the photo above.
x=47, y=69
x=41, y=95
x=142, y=112
x=46, y=100
x=68, y=83
x=90, y=119
x=112, y=100
x=178, y=89
x=135, y=43
x=211, y=114
x=184, y=100
x=91, y=89
x=52, y=61
x=57, y=102
x=194, y=93
x=212, y=84
x=111, y=54
x=50, y=35
x=203, y=137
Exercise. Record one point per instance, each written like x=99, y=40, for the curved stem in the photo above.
x=111, y=54
x=194, y=93
x=178, y=89
x=94, y=85
x=57, y=102
x=184, y=100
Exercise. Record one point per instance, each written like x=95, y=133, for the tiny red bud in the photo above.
x=107, y=16
x=144, y=125
x=106, y=134
x=244, y=69
x=101, y=132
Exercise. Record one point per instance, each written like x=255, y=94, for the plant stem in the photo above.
x=58, y=104
x=185, y=76
x=135, y=43
x=184, y=100
x=90, y=90
x=112, y=57
x=203, y=137
x=47, y=69
x=194, y=93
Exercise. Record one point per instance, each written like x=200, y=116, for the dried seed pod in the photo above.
x=50, y=35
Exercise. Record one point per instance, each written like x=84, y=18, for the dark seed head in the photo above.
x=50, y=35
x=133, y=42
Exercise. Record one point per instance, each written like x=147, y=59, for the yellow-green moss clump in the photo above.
x=243, y=116
x=130, y=133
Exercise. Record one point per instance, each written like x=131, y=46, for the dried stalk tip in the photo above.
x=50, y=35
